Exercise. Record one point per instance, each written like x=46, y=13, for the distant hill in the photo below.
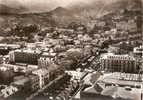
x=60, y=11
x=62, y=15
x=4, y=9
x=7, y=10
x=100, y=7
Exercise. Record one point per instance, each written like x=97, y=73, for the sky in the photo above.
x=45, y=2
x=45, y=5
x=40, y=3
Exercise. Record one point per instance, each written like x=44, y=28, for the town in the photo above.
x=99, y=60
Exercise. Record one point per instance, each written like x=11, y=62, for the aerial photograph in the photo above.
x=71, y=49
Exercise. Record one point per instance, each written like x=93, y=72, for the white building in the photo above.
x=118, y=63
x=43, y=76
x=138, y=51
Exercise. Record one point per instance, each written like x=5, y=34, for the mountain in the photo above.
x=7, y=10
x=79, y=12
x=60, y=11
x=62, y=15
x=4, y=9
x=81, y=7
x=85, y=12
x=100, y=7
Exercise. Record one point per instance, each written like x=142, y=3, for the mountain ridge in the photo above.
x=4, y=9
x=63, y=15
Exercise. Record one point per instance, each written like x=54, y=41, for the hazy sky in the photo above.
x=43, y=2
x=52, y=2
x=45, y=5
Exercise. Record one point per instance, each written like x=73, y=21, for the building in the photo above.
x=43, y=62
x=22, y=87
x=13, y=46
x=46, y=59
x=50, y=41
x=1, y=59
x=31, y=45
x=19, y=68
x=43, y=75
x=75, y=74
x=25, y=85
x=112, y=86
x=114, y=49
x=35, y=45
x=6, y=75
x=28, y=83
x=5, y=48
x=121, y=48
x=55, y=71
x=22, y=83
x=8, y=91
x=48, y=74
x=40, y=45
x=16, y=68
x=138, y=51
x=34, y=82
x=119, y=63
x=65, y=31
x=24, y=56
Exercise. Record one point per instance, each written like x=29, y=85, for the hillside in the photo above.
x=7, y=10
x=61, y=15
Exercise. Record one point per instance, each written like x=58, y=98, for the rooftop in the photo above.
x=138, y=49
x=21, y=81
x=10, y=45
x=53, y=67
x=115, y=92
x=41, y=71
x=109, y=85
x=28, y=51
x=117, y=57
x=123, y=79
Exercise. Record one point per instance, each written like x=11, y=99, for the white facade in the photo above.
x=118, y=63
x=43, y=76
